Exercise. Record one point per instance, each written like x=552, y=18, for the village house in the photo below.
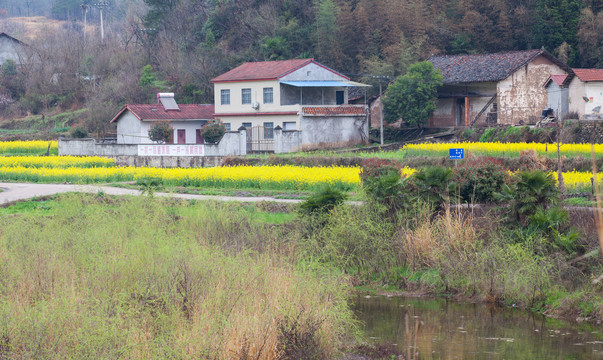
x=11, y=49
x=300, y=95
x=505, y=88
x=586, y=94
x=134, y=121
x=558, y=94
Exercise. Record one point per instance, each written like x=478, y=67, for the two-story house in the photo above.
x=293, y=95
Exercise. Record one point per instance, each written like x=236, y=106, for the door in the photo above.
x=460, y=112
x=198, y=137
x=181, y=136
x=339, y=97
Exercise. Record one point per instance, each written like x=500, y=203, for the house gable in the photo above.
x=313, y=72
x=10, y=48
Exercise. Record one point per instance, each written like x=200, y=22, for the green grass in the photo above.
x=139, y=277
x=34, y=206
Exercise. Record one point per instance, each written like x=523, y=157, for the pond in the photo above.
x=445, y=329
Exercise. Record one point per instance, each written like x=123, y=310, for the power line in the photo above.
x=101, y=5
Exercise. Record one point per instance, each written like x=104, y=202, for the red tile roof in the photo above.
x=333, y=110
x=154, y=112
x=589, y=74
x=266, y=70
x=559, y=79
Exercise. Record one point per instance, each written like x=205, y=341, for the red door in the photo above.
x=199, y=137
x=181, y=136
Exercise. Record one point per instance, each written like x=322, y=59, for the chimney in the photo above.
x=168, y=101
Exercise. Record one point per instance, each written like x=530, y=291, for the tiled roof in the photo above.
x=589, y=74
x=458, y=69
x=265, y=70
x=333, y=110
x=150, y=112
x=559, y=79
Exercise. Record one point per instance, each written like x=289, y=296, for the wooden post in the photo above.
x=466, y=110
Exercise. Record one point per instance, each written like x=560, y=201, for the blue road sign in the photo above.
x=456, y=154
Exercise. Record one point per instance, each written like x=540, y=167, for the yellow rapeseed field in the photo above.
x=28, y=147
x=268, y=177
x=56, y=161
x=501, y=149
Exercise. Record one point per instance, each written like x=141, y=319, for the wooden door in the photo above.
x=199, y=138
x=181, y=136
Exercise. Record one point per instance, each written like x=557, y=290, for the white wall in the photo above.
x=257, y=95
x=237, y=121
x=522, y=96
x=312, y=72
x=594, y=89
x=129, y=129
x=9, y=49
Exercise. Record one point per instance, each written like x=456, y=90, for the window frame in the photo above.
x=225, y=95
x=246, y=96
x=271, y=93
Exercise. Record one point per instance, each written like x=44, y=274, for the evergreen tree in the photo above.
x=556, y=22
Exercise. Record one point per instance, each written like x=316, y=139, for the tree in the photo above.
x=161, y=132
x=413, y=97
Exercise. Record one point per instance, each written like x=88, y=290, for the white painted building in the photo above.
x=294, y=95
x=586, y=93
x=134, y=121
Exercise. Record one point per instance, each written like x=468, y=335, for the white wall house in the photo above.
x=586, y=93
x=262, y=96
x=11, y=49
x=134, y=121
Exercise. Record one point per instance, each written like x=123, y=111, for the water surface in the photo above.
x=453, y=330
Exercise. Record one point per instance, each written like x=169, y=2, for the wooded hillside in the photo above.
x=188, y=42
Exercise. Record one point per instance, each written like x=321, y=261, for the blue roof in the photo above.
x=326, y=83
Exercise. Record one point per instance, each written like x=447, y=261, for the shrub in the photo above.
x=479, y=178
x=212, y=132
x=322, y=201
x=79, y=133
x=433, y=184
x=530, y=192
x=488, y=135
x=161, y=132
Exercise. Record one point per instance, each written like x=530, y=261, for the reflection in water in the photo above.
x=453, y=330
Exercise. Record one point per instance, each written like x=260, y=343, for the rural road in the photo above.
x=12, y=192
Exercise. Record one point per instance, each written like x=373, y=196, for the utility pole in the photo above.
x=380, y=112
x=28, y=3
x=101, y=5
x=85, y=8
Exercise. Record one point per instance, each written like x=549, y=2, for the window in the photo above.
x=247, y=126
x=289, y=125
x=225, y=97
x=268, y=97
x=246, y=96
x=227, y=126
x=268, y=130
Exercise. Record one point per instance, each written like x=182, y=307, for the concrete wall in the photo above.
x=522, y=96
x=237, y=121
x=333, y=131
x=558, y=99
x=578, y=90
x=10, y=49
x=169, y=161
x=233, y=143
x=129, y=130
x=312, y=72
x=287, y=141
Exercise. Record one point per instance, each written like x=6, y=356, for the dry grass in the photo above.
x=150, y=278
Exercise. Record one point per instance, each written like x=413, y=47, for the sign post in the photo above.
x=456, y=155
